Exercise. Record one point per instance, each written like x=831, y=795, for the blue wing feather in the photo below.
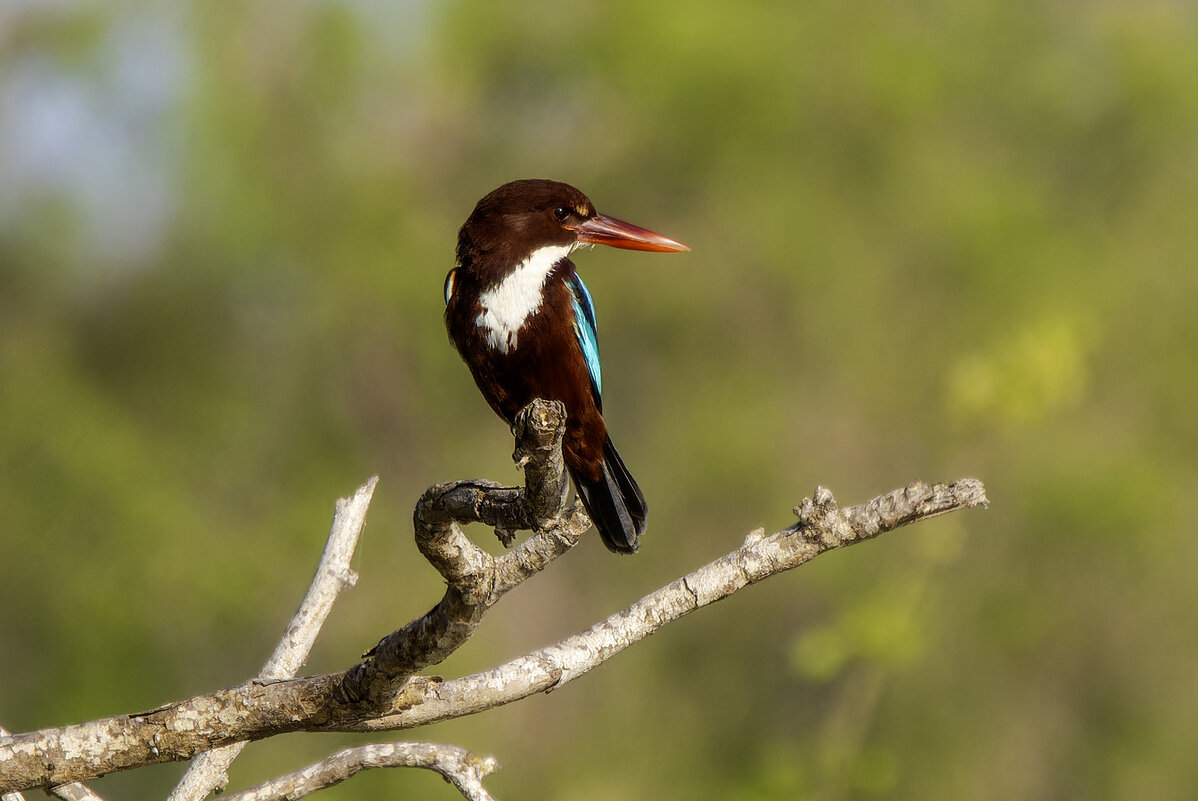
x=587, y=333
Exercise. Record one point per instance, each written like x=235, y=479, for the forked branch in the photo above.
x=385, y=690
x=458, y=766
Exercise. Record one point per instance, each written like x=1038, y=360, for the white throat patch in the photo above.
x=507, y=304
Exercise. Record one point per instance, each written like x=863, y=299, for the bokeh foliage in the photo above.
x=930, y=240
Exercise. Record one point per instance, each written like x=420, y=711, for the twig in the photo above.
x=459, y=767
x=210, y=770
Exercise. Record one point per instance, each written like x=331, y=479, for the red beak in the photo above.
x=604, y=230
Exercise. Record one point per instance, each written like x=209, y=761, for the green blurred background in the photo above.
x=930, y=240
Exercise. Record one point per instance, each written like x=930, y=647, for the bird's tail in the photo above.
x=614, y=503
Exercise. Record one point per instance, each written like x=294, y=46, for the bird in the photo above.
x=523, y=322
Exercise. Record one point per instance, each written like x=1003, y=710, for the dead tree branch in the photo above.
x=384, y=692
x=459, y=767
x=476, y=580
x=822, y=526
x=67, y=792
x=210, y=770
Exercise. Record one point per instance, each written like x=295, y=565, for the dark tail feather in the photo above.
x=614, y=503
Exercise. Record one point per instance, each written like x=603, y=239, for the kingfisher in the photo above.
x=523, y=321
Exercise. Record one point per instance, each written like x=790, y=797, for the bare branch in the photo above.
x=74, y=792
x=822, y=526
x=462, y=769
x=384, y=693
x=210, y=770
x=259, y=708
x=67, y=792
x=9, y=796
x=476, y=580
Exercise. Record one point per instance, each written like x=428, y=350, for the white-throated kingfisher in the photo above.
x=522, y=320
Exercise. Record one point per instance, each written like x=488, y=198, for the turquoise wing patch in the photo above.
x=587, y=333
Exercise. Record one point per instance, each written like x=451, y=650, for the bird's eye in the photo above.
x=561, y=213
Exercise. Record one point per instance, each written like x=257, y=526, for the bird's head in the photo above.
x=521, y=217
